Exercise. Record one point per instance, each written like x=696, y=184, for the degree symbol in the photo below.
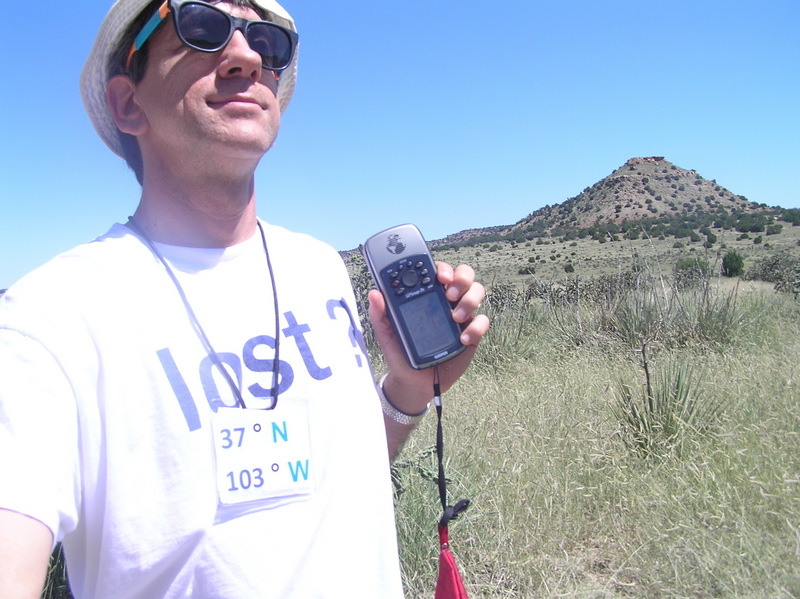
x=275, y=467
x=257, y=427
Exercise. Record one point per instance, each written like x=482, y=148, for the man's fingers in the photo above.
x=469, y=302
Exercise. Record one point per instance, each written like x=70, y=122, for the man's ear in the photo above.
x=121, y=100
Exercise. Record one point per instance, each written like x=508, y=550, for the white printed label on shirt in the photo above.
x=262, y=454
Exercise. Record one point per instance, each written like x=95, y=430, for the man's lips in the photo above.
x=234, y=100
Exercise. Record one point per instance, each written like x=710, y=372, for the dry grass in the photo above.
x=562, y=507
x=592, y=258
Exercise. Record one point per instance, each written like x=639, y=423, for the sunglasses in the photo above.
x=206, y=28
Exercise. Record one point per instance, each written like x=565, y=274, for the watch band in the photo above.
x=395, y=414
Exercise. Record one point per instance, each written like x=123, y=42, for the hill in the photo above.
x=647, y=210
x=645, y=195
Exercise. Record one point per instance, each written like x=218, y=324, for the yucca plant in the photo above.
x=513, y=333
x=657, y=417
x=708, y=316
x=640, y=317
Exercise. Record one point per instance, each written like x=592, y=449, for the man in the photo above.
x=181, y=401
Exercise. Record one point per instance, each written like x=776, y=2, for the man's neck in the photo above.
x=202, y=213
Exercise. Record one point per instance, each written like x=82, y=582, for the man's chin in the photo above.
x=248, y=144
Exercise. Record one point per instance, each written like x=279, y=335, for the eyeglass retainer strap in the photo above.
x=147, y=31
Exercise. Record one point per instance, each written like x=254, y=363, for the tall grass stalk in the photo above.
x=56, y=586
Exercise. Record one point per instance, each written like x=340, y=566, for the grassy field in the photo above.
x=501, y=261
x=698, y=495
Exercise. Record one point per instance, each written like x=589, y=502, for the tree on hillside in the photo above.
x=733, y=264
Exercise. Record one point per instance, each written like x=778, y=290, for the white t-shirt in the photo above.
x=122, y=445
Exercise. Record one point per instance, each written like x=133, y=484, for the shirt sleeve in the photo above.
x=39, y=450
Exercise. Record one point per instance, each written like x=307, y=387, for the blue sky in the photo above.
x=447, y=114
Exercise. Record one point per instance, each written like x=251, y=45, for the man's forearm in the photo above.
x=25, y=546
x=402, y=406
x=396, y=435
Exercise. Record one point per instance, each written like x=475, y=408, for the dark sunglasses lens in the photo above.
x=203, y=27
x=272, y=43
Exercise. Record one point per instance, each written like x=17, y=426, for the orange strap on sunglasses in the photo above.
x=146, y=31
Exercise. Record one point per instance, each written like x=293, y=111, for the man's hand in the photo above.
x=410, y=390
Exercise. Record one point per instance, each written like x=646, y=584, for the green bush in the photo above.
x=733, y=264
x=782, y=269
x=774, y=229
x=690, y=271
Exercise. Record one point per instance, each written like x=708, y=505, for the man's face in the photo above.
x=207, y=106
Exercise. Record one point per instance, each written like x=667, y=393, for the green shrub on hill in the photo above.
x=690, y=271
x=782, y=269
x=733, y=264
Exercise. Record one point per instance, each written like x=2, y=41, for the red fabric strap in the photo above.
x=449, y=584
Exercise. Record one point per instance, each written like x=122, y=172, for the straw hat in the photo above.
x=95, y=72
